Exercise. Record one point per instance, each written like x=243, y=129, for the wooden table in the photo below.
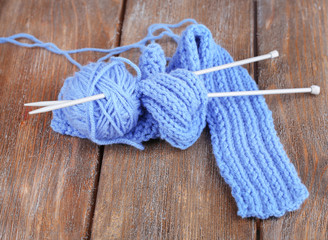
x=61, y=187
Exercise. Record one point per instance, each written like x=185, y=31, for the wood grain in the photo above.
x=299, y=30
x=162, y=192
x=47, y=181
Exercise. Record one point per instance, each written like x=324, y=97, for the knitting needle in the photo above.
x=315, y=90
x=67, y=103
x=46, y=103
x=272, y=54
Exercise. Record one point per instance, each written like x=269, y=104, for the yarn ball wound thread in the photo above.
x=106, y=119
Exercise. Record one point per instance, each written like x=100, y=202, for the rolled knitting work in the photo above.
x=171, y=103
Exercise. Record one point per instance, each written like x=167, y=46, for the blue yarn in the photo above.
x=37, y=43
x=171, y=103
x=152, y=60
x=249, y=154
x=177, y=101
x=110, y=52
x=53, y=48
x=106, y=120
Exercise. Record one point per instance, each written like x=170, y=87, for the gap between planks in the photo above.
x=102, y=148
x=258, y=225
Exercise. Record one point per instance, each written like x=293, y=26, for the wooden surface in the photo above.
x=47, y=181
x=60, y=187
x=299, y=30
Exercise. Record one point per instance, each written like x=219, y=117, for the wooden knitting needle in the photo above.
x=315, y=90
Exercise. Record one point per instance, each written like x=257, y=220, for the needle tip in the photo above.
x=274, y=54
x=315, y=90
x=40, y=110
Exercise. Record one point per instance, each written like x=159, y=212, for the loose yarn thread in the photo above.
x=171, y=103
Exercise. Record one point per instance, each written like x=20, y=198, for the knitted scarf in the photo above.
x=248, y=152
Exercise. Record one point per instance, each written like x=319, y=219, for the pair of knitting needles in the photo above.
x=54, y=105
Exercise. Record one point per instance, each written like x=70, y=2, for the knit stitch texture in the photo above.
x=249, y=154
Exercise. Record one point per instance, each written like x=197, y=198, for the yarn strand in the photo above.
x=51, y=47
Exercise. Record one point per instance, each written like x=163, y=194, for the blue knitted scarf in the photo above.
x=170, y=102
x=249, y=154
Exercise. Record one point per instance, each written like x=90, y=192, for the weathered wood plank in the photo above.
x=298, y=29
x=47, y=181
x=163, y=192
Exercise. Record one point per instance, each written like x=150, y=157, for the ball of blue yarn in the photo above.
x=177, y=101
x=102, y=120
